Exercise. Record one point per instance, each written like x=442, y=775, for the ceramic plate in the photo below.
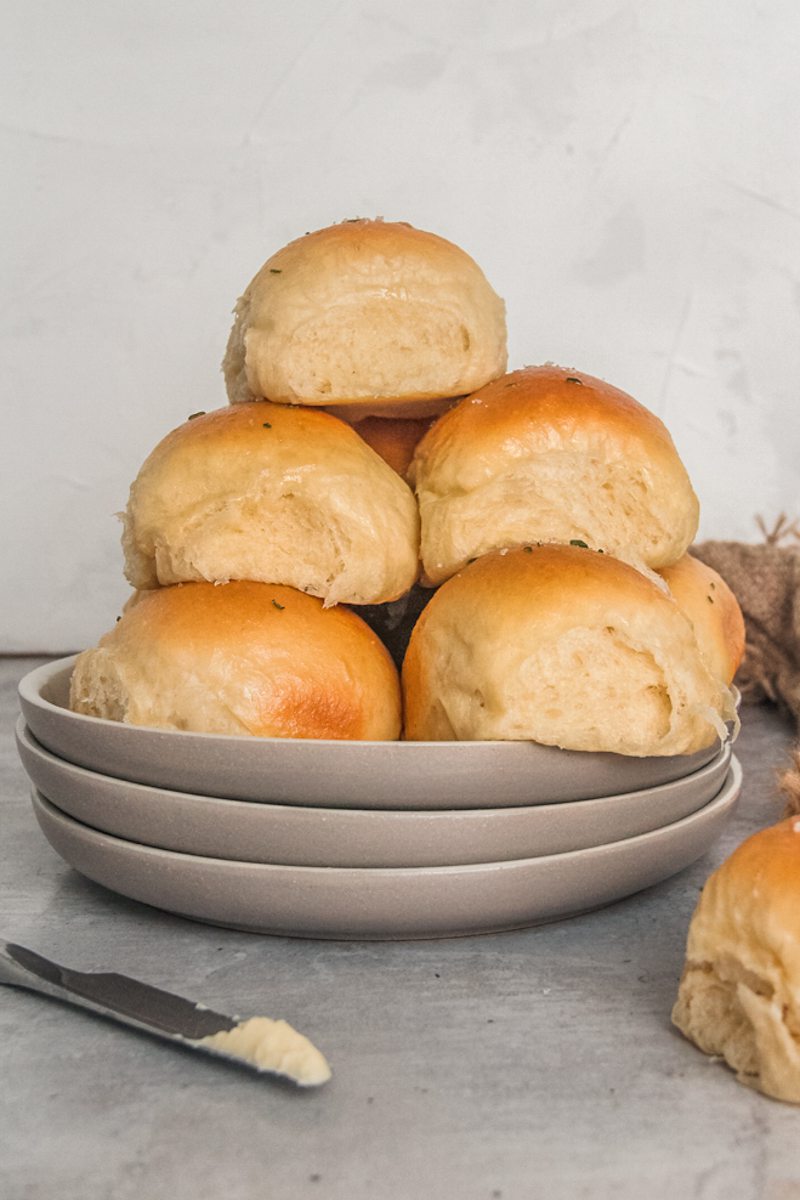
x=347, y=837
x=411, y=902
x=335, y=774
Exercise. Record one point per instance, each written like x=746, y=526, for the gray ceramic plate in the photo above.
x=411, y=902
x=399, y=775
x=347, y=837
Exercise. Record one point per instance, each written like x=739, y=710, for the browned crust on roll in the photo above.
x=713, y=609
x=242, y=657
x=550, y=454
x=393, y=438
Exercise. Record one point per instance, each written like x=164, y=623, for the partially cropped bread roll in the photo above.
x=370, y=314
x=551, y=455
x=276, y=494
x=394, y=438
x=241, y=658
x=562, y=646
x=713, y=610
x=739, y=994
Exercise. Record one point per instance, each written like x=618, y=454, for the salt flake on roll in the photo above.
x=563, y=646
x=276, y=494
x=546, y=454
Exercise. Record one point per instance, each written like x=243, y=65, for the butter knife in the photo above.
x=260, y=1043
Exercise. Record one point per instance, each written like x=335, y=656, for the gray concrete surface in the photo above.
x=540, y=1063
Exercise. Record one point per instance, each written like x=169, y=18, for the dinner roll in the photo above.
x=244, y=658
x=550, y=455
x=562, y=646
x=277, y=494
x=713, y=610
x=394, y=438
x=370, y=314
x=739, y=995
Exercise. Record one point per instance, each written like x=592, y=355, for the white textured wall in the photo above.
x=627, y=174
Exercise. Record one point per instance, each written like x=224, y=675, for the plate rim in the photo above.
x=24, y=734
x=726, y=796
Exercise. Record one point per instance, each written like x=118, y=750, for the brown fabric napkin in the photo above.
x=765, y=579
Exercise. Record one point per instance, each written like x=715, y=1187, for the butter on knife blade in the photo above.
x=271, y=1045
x=267, y=1046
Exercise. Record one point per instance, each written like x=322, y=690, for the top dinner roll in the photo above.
x=372, y=315
x=565, y=647
x=275, y=494
x=546, y=454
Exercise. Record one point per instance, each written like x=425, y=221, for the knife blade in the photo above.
x=259, y=1043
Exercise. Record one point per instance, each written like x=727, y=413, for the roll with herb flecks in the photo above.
x=547, y=454
x=714, y=611
x=370, y=317
x=240, y=658
x=566, y=647
x=276, y=494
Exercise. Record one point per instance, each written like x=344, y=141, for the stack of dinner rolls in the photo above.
x=374, y=449
x=253, y=533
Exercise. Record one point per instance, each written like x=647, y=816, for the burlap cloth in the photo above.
x=765, y=579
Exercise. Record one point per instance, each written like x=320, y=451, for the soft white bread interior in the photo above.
x=277, y=494
x=241, y=658
x=562, y=646
x=714, y=611
x=371, y=314
x=551, y=455
x=739, y=995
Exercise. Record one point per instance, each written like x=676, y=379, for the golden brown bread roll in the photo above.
x=373, y=315
x=713, y=610
x=550, y=455
x=241, y=658
x=394, y=438
x=562, y=646
x=277, y=494
x=739, y=994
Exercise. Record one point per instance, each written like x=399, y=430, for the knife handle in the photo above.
x=110, y=995
x=24, y=968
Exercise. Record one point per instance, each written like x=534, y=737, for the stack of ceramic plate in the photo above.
x=360, y=839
